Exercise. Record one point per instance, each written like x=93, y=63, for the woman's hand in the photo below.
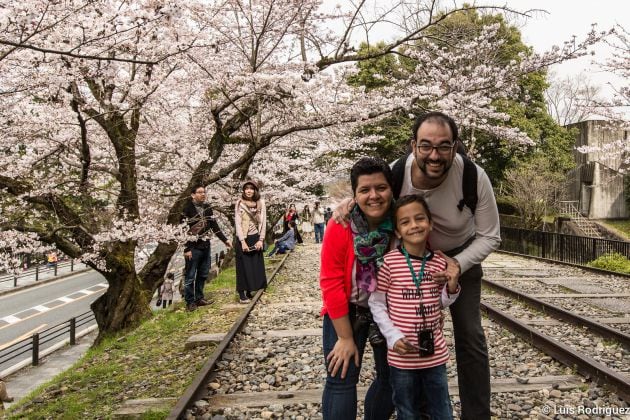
x=341, y=356
x=258, y=245
x=244, y=246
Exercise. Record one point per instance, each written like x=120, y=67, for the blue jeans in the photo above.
x=196, y=274
x=339, y=400
x=421, y=393
x=319, y=232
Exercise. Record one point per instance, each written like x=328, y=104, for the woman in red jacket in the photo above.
x=350, y=259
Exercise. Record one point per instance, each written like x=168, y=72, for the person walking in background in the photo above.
x=292, y=214
x=408, y=280
x=307, y=222
x=250, y=219
x=198, y=215
x=327, y=215
x=167, y=289
x=286, y=242
x=318, y=223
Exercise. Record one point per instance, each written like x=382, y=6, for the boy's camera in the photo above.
x=426, y=343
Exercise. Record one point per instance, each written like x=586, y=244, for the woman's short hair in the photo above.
x=369, y=166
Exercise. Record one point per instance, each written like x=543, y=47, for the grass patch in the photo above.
x=620, y=226
x=148, y=362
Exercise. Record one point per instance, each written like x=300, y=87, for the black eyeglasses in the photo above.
x=427, y=148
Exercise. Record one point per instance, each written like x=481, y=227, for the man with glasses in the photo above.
x=198, y=214
x=435, y=170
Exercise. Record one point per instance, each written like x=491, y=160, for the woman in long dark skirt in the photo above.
x=250, y=218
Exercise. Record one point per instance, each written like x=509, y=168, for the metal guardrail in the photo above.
x=34, y=345
x=559, y=247
x=41, y=271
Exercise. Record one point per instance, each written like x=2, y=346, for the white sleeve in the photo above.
x=447, y=299
x=378, y=307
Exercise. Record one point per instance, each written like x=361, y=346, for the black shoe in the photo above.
x=191, y=307
x=204, y=302
x=249, y=295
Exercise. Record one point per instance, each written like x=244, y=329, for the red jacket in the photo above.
x=335, y=275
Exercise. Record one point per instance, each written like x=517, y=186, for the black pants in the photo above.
x=471, y=350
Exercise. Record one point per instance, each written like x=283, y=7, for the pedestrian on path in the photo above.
x=250, y=219
x=167, y=290
x=201, y=223
x=318, y=223
x=285, y=243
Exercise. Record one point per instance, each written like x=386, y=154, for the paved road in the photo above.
x=34, y=309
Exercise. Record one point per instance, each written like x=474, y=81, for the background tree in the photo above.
x=112, y=110
x=533, y=188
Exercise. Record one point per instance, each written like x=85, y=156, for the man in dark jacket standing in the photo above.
x=198, y=214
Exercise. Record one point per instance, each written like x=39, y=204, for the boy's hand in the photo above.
x=341, y=214
x=403, y=346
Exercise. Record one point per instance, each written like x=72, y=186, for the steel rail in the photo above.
x=551, y=261
x=197, y=388
x=586, y=366
x=557, y=312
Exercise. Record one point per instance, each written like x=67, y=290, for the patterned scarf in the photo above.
x=369, y=247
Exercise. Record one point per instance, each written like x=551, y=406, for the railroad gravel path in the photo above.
x=275, y=369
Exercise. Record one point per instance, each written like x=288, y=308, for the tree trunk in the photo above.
x=124, y=305
x=126, y=301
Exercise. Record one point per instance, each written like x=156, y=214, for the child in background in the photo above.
x=406, y=306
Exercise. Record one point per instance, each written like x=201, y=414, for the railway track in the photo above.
x=270, y=364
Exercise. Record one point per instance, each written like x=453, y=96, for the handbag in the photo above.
x=158, y=302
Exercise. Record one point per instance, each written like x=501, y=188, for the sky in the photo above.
x=566, y=18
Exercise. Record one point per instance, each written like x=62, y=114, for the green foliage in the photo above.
x=612, y=262
x=527, y=110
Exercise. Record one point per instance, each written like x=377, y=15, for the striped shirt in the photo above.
x=412, y=309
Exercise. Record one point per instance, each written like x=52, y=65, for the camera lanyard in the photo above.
x=417, y=278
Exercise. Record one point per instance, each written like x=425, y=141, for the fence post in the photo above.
x=594, y=250
x=35, y=349
x=37, y=272
x=15, y=280
x=72, y=265
x=55, y=269
x=73, y=327
x=543, y=245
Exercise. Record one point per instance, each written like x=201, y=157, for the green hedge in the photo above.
x=612, y=262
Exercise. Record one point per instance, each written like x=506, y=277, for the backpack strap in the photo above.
x=469, y=185
x=398, y=172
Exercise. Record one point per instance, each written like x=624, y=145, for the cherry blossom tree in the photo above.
x=112, y=110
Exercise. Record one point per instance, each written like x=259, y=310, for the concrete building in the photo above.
x=596, y=184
